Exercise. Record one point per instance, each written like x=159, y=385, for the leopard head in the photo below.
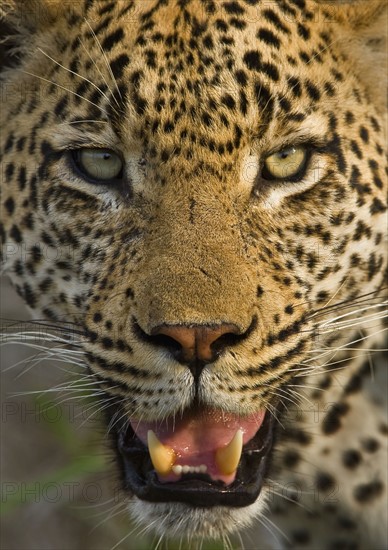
x=195, y=185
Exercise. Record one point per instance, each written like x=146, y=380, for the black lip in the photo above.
x=197, y=489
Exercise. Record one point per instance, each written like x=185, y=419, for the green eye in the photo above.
x=101, y=165
x=287, y=164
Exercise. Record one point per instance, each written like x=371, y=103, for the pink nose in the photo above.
x=198, y=343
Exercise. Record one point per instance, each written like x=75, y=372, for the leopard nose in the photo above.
x=195, y=345
x=199, y=344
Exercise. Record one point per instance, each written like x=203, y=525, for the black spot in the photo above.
x=351, y=458
x=252, y=60
x=233, y=8
x=271, y=71
x=97, y=317
x=324, y=481
x=295, y=86
x=20, y=144
x=349, y=117
x=375, y=124
x=370, y=445
x=107, y=343
x=29, y=295
x=112, y=39
x=356, y=149
x=243, y=102
x=118, y=65
x=303, y=31
x=61, y=105
x=322, y=296
x=299, y=436
x=312, y=90
x=325, y=383
x=22, y=178
x=45, y=284
x=265, y=100
x=332, y=420
x=368, y=491
x=15, y=234
x=377, y=206
x=107, y=9
x=269, y=38
x=383, y=429
x=364, y=134
x=284, y=104
x=291, y=458
x=9, y=143
x=9, y=171
x=241, y=78
x=329, y=89
x=221, y=25
x=273, y=18
x=354, y=385
x=9, y=205
x=229, y=101
x=237, y=23
x=129, y=293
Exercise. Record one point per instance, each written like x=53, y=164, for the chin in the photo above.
x=183, y=521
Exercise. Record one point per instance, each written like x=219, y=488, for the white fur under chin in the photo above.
x=177, y=520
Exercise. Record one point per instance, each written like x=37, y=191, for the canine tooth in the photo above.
x=203, y=469
x=227, y=458
x=177, y=469
x=162, y=456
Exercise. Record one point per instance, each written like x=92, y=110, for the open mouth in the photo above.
x=202, y=458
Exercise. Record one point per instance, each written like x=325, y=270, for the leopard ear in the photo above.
x=363, y=35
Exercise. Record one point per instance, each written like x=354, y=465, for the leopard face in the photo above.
x=199, y=187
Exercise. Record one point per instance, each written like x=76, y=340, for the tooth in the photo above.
x=177, y=469
x=227, y=458
x=203, y=469
x=162, y=456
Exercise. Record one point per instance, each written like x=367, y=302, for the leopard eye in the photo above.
x=287, y=164
x=101, y=165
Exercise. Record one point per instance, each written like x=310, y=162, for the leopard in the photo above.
x=195, y=190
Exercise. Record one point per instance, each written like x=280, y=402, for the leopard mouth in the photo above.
x=191, y=460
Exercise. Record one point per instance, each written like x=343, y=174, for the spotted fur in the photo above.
x=194, y=94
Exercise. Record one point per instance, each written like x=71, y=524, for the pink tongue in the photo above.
x=196, y=437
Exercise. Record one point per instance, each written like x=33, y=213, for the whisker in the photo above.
x=65, y=89
x=105, y=58
x=74, y=73
x=99, y=71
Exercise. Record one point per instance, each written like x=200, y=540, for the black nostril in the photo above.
x=167, y=342
x=225, y=341
x=161, y=341
x=195, y=345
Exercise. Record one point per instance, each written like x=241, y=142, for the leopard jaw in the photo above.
x=177, y=520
